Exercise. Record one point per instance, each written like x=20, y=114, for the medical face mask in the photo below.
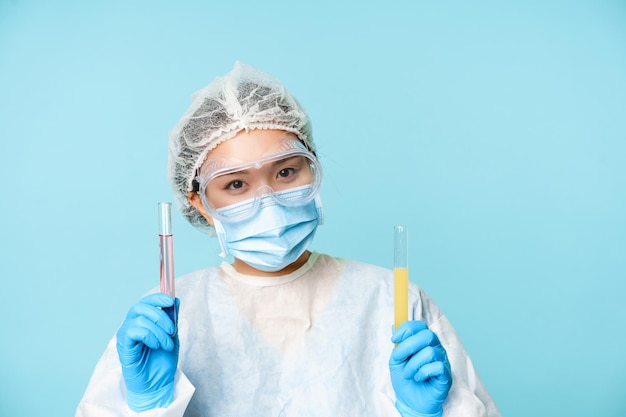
x=276, y=235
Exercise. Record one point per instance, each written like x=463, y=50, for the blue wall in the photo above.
x=495, y=130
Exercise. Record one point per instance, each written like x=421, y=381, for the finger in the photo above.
x=130, y=338
x=158, y=299
x=152, y=313
x=143, y=330
x=434, y=370
x=413, y=344
x=421, y=358
x=163, y=336
x=407, y=329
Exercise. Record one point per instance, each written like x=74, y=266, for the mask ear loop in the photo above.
x=221, y=237
x=320, y=209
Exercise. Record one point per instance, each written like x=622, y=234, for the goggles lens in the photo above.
x=289, y=174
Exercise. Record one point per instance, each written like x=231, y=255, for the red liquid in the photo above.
x=166, y=246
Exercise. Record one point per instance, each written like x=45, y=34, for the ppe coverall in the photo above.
x=315, y=342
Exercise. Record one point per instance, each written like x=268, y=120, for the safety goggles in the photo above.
x=287, y=174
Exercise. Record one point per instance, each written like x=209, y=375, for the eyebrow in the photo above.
x=274, y=164
x=242, y=172
x=282, y=161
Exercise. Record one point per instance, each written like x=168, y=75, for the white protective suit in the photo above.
x=315, y=342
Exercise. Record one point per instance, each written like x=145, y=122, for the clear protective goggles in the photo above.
x=287, y=174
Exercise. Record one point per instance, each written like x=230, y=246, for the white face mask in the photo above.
x=273, y=238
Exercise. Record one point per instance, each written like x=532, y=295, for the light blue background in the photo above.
x=495, y=130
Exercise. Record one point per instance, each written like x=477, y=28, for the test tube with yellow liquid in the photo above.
x=400, y=275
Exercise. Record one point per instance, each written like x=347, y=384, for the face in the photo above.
x=244, y=167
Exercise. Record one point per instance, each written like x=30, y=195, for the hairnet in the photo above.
x=243, y=99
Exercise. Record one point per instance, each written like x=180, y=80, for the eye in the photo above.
x=287, y=172
x=234, y=185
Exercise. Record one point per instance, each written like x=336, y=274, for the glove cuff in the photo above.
x=142, y=401
x=406, y=411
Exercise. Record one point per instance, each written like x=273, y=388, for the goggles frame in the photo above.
x=265, y=194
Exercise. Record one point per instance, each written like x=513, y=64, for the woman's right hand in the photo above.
x=149, y=353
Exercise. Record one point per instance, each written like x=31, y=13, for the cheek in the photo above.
x=196, y=202
x=208, y=218
x=204, y=213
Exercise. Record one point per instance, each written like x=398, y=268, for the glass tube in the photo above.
x=400, y=275
x=166, y=249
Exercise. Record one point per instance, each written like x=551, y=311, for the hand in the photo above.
x=149, y=353
x=420, y=371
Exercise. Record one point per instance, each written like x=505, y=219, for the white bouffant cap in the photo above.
x=243, y=99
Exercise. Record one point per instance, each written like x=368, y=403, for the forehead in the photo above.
x=251, y=145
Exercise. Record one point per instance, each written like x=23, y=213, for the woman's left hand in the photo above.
x=420, y=371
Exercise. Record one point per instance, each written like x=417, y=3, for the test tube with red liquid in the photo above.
x=166, y=246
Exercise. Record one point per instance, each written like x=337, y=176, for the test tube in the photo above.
x=400, y=275
x=166, y=246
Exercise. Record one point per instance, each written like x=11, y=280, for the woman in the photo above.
x=281, y=331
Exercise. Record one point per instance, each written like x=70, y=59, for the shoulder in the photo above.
x=353, y=269
x=198, y=275
x=365, y=277
x=367, y=268
x=359, y=277
x=196, y=281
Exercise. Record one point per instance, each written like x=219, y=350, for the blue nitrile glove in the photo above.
x=148, y=353
x=420, y=371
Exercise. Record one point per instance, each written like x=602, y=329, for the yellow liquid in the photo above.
x=401, y=295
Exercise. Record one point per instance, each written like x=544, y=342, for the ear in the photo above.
x=196, y=202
